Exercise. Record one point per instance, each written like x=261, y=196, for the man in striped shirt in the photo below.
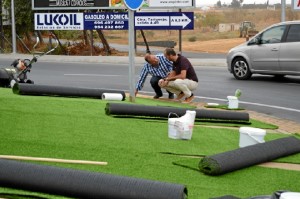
x=157, y=66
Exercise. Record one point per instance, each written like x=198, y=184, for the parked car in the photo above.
x=273, y=51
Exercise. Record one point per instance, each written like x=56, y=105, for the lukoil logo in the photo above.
x=58, y=21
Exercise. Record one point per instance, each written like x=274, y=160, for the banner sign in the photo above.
x=296, y=5
x=164, y=20
x=58, y=21
x=108, y=4
x=72, y=4
x=170, y=3
x=106, y=21
x=114, y=21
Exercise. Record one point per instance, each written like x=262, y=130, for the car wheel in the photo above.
x=240, y=69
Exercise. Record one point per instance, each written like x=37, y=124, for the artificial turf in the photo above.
x=78, y=128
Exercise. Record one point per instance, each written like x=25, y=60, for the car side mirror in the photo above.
x=254, y=41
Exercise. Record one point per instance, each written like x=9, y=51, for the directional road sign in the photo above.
x=164, y=20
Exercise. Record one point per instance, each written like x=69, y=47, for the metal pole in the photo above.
x=180, y=39
x=1, y=27
x=131, y=56
x=283, y=5
x=13, y=27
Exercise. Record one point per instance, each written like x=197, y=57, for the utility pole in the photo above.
x=13, y=28
x=283, y=5
x=1, y=27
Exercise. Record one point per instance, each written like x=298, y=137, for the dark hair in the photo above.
x=170, y=51
x=146, y=57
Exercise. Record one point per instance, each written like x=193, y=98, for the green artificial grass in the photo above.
x=77, y=128
x=223, y=106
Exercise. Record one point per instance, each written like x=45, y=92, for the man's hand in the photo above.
x=136, y=92
x=163, y=83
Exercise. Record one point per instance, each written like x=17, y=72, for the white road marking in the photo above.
x=252, y=103
x=92, y=75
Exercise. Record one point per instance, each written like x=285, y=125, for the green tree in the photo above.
x=236, y=3
x=219, y=4
x=212, y=20
x=23, y=16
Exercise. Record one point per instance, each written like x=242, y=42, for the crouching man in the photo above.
x=182, y=80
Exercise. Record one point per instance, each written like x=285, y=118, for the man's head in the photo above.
x=152, y=59
x=170, y=54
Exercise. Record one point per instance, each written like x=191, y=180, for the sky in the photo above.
x=212, y=2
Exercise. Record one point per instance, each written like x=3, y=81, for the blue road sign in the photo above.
x=133, y=4
x=105, y=21
x=142, y=21
x=164, y=20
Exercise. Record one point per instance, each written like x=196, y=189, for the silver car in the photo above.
x=273, y=51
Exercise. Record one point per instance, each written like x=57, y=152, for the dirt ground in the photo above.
x=212, y=46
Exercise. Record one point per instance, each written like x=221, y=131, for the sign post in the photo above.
x=132, y=5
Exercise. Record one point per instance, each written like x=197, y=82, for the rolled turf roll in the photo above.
x=33, y=89
x=83, y=184
x=226, y=197
x=250, y=155
x=164, y=111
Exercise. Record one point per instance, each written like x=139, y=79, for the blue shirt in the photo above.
x=164, y=67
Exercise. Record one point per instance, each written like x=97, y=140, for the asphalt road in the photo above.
x=264, y=94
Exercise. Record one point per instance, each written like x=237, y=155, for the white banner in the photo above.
x=58, y=21
x=296, y=5
x=170, y=3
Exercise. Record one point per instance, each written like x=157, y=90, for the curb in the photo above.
x=108, y=59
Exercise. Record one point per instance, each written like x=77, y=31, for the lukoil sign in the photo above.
x=58, y=21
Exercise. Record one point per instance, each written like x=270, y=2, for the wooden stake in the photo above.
x=13, y=157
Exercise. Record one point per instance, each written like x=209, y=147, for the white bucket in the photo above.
x=290, y=195
x=182, y=127
x=172, y=131
x=233, y=102
x=251, y=136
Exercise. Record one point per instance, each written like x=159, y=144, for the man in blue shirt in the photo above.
x=157, y=66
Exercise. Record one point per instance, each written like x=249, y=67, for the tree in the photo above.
x=236, y=3
x=219, y=4
x=23, y=16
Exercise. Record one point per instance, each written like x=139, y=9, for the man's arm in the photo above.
x=142, y=78
x=172, y=76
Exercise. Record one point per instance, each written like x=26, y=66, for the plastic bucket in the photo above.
x=172, y=130
x=233, y=102
x=181, y=127
x=290, y=195
x=251, y=136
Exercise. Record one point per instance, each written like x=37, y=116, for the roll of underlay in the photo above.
x=248, y=156
x=164, y=111
x=112, y=96
x=83, y=184
x=64, y=91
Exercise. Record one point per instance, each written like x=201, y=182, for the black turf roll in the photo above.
x=83, y=184
x=34, y=89
x=250, y=155
x=163, y=111
x=226, y=197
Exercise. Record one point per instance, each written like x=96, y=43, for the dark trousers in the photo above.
x=154, y=83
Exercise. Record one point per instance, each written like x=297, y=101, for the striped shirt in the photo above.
x=164, y=67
